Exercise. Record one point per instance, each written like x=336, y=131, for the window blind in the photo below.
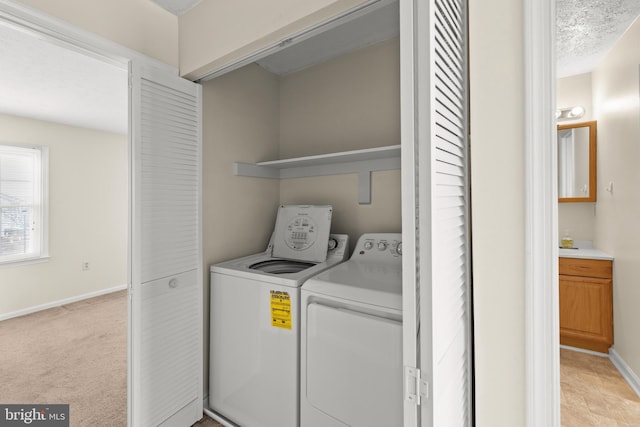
x=21, y=210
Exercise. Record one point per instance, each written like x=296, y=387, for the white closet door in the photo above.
x=436, y=270
x=165, y=340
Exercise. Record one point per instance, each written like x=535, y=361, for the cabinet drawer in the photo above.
x=586, y=267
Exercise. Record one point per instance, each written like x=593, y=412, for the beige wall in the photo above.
x=88, y=197
x=572, y=91
x=341, y=191
x=216, y=33
x=240, y=113
x=137, y=24
x=348, y=103
x=577, y=218
x=616, y=103
x=497, y=174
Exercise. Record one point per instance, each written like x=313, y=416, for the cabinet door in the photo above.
x=586, y=313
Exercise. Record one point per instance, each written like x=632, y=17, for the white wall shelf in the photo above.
x=362, y=162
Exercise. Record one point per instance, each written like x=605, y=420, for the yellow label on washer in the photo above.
x=280, y=310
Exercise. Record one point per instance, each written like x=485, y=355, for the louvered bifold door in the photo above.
x=439, y=153
x=165, y=359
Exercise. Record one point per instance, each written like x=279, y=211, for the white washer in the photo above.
x=254, y=323
x=351, y=343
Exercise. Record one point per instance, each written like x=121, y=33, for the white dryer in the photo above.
x=351, y=342
x=254, y=323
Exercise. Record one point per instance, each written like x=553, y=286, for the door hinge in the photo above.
x=415, y=388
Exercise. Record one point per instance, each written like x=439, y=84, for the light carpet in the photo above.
x=75, y=354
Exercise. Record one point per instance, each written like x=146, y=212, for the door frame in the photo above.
x=30, y=20
x=542, y=348
x=74, y=38
x=408, y=98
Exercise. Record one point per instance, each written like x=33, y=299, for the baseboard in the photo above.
x=582, y=350
x=58, y=303
x=214, y=415
x=626, y=371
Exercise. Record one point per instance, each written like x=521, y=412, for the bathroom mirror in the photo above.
x=577, y=162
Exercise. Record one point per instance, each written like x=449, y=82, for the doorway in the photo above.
x=542, y=302
x=161, y=105
x=602, y=70
x=64, y=314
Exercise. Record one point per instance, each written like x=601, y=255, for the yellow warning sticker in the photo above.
x=280, y=310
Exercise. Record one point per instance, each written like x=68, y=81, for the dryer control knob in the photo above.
x=333, y=243
x=368, y=244
x=382, y=246
x=399, y=248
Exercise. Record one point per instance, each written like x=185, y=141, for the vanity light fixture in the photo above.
x=570, y=113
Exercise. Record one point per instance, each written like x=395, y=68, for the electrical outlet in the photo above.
x=85, y=265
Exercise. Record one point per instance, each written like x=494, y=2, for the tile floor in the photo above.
x=593, y=393
x=207, y=422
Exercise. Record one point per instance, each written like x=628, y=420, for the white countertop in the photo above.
x=584, y=249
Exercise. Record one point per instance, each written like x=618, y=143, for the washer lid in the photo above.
x=374, y=283
x=302, y=232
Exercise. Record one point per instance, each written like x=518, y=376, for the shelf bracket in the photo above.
x=255, y=171
x=364, y=187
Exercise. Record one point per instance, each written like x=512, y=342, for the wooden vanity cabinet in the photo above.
x=586, y=304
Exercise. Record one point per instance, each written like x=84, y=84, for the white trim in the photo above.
x=24, y=261
x=625, y=370
x=25, y=18
x=61, y=302
x=130, y=208
x=44, y=210
x=408, y=172
x=217, y=417
x=541, y=222
x=582, y=350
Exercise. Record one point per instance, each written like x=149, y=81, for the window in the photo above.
x=23, y=210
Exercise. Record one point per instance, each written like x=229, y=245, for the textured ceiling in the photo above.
x=41, y=80
x=587, y=29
